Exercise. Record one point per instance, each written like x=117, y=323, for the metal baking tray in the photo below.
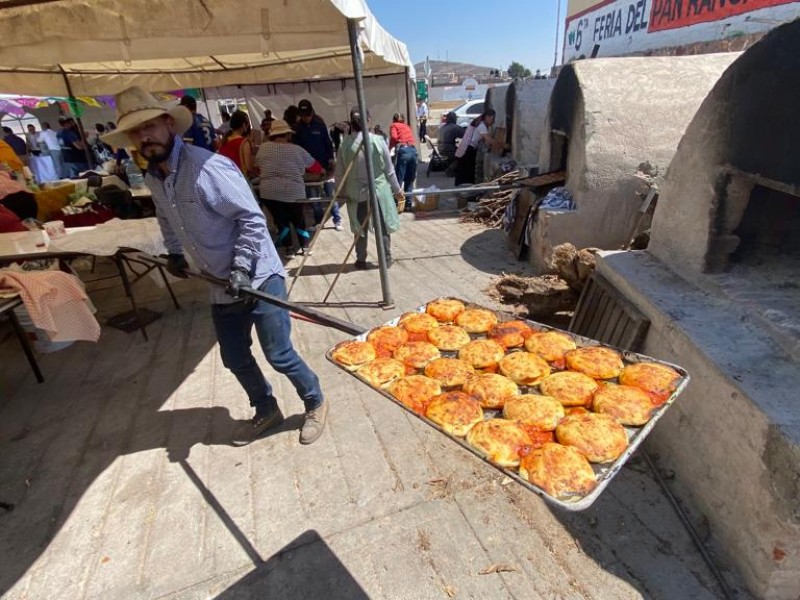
x=604, y=472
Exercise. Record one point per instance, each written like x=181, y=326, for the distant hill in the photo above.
x=441, y=69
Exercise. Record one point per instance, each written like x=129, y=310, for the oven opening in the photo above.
x=770, y=228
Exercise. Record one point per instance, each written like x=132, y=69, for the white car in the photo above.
x=466, y=112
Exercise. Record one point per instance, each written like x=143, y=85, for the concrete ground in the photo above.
x=129, y=476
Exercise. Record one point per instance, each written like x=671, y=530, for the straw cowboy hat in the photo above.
x=280, y=127
x=135, y=106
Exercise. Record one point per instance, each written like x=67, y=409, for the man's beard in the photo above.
x=156, y=159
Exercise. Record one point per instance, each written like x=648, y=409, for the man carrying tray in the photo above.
x=204, y=205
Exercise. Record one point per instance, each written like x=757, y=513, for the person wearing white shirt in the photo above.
x=422, y=119
x=50, y=140
x=478, y=132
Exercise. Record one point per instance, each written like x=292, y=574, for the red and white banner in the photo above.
x=671, y=14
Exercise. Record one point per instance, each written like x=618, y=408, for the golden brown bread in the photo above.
x=386, y=339
x=569, y=388
x=542, y=413
x=627, y=404
x=551, y=346
x=658, y=381
x=595, y=361
x=500, y=441
x=448, y=337
x=524, y=368
x=417, y=324
x=510, y=334
x=559, y=470
x=445, y=310
x=417, y=354
x=482, y=354
x=382, y=371
x=598, y=437
x=476, y=320
x=415, y=391
x=450, y=372
x=353, y=354
x=491, y=390
x=455, y=412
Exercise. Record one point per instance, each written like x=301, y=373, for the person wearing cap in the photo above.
x=401, y=139
x=205, y=207
x=201, y=134
x=311, y=134
x=356, y=189
x=282, y=188
x=73, y=152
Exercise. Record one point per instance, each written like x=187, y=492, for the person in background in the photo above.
x=266, y=125
x=73, y=152
x=32, y=140
x=49, y=138
x=223, y=129
x=201, y=133
x=9, y=160
x=290, y=115
x=377, y=130
x=205, y=206
x=236, y=144
x=102, y=151
x=337, y=131
x=401, y=139
x=422, y=119
x=477, y=131
x=282, y=188
x=18, y=144
x=356, y=189
x=311, y=134
x=447, y=136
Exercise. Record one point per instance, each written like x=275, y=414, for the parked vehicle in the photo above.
x=466, y=112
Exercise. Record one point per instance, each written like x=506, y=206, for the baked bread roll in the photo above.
x=476, y=320
x=491, y=390
x=500, y=441
x=417, y=354
x=482, y=354
x=353, y=354
x=598, y=437
x=659, y=381
x=559, y=470
x=386, y=339
x=569, y=388
x=415, y=391
x=510, y=334
x=524, y=368
x=448, y=337
x=450, y=372
x=595, y=361
x=382, y=371
x=551, y=346
x=627, y=404
x=542, y=413
x=445, y=310
x=455, y=412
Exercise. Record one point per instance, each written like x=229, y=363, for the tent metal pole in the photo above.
x=74, y=100
x=352, y=30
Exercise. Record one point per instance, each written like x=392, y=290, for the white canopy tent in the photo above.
x=91, y=48
x=103, y=47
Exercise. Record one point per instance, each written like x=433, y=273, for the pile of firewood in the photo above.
x=492, y=206
x=545, y=295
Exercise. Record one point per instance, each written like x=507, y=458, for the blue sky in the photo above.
x=489, y=33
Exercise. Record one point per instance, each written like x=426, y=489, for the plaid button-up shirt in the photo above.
x=205, y=206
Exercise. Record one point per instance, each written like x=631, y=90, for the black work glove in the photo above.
x=177, y=265
x=239, y=280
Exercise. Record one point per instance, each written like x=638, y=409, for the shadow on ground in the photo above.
x=480, y=251
x=305, y=568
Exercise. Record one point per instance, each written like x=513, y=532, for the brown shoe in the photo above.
x=314, y=424
x=260, y=423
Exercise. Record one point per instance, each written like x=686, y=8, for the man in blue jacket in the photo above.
x=311, y=134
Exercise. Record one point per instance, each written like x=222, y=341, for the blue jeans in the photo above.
x=234, y=325
x=406, y=167
x=319, y=207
